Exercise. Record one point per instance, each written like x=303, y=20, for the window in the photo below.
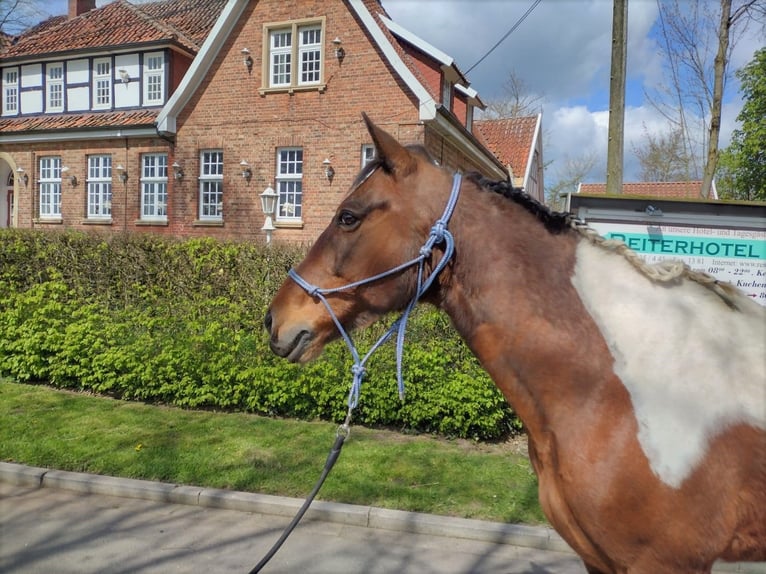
x=99, y=187
x=11, y=91
x=154, y=78
x=310, y=54
x=211, y=185
x=102, y=83
x=294, y=55
x=447, y=94
x=50, y=188
x=289, y=184
x=154, y=187
x=54, y=88
x=368, y=153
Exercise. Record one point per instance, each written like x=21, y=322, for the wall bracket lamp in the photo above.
x=72, y=178
x=248, y=60
x=329, y=171
x=178, y=171
x=23, y=175
x=121, y=173
x=247, y=172
x=340, y=53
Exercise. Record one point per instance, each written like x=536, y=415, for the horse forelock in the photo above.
x=555, y=222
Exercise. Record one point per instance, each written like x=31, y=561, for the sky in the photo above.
x=561, y=52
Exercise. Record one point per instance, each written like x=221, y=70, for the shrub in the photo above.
x=149, y=318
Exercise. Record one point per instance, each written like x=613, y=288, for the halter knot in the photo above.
x=438, y=230
x=358, y=371
x=425, y=251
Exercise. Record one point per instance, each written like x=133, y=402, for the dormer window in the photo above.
x=447, y=94
x=54, y=87
x=11, y=91
x=102, y=83
x=293, y=55
x=154, y=78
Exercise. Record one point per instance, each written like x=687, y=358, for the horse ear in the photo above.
x=395, y=158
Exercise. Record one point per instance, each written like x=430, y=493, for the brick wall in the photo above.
x=231, y=112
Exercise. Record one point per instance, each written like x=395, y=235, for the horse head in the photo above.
x=382, y=222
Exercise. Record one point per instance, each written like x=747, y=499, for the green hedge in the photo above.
x=148, y=318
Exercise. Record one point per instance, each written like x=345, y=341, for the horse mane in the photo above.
x=559, y=222
x=554, y=221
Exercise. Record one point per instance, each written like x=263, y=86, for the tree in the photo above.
x=575, y=170
x=517, y=101
x=697, y=39
x=18, y=15
x=664, y=157
x=744, y=161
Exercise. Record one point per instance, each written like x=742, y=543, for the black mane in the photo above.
x=554, y=221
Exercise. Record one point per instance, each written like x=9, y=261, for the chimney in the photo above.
x=77, y=7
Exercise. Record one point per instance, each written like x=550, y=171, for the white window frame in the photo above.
x=293, y=55
x=10, y=91
x=54, y=87
x=447, y=94
x=280, y=58
x=102, y=84
x=50, y=187
x=211, y=185
x=289, y=180
x=99, y=187
x=368, y=153
x=309, y=55
x=154, y=187
x=154, y=78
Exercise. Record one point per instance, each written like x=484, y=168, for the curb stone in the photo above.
x=541, y=538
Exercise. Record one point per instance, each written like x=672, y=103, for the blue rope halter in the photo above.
x=439, y=234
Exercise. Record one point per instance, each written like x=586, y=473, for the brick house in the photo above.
x=174, y=116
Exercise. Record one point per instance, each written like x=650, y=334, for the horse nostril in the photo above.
x=267, y=320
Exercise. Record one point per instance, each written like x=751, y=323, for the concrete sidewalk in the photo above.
x=55, y=521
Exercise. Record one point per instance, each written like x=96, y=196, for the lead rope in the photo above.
x=439, y=234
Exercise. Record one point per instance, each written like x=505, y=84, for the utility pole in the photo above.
x=615, y=145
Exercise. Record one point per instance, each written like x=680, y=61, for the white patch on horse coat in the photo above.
x=692, y=365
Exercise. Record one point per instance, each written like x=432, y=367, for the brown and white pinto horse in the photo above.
x=642, y=388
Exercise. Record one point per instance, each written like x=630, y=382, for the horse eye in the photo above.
x=347, y=219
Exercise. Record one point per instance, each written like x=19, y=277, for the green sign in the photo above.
x=693, y=246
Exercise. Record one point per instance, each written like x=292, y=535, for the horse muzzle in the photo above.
x=291, y=343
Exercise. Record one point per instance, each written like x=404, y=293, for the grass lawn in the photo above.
x=78, y=432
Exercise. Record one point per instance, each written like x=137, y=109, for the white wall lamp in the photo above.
x=248, y=60
x=65, y=174
x=178, y=171
x=121, y=173
x=269, y=206
x=22, y=175
x=247, y=172
x=340, y=53
x=329, y=171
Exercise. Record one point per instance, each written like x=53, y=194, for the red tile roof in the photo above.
x=658, y=189
x=133, y=118
x=182, y=22
x=510, y=139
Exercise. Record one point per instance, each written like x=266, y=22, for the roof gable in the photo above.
x=512, y=140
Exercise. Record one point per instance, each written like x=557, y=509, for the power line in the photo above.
x=508, y=33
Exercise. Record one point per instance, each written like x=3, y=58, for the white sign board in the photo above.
x=734, y=255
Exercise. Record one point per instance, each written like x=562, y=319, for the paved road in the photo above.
x=73, y=523
x=51, y=530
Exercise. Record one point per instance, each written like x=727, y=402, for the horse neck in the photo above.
x=510, y=296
